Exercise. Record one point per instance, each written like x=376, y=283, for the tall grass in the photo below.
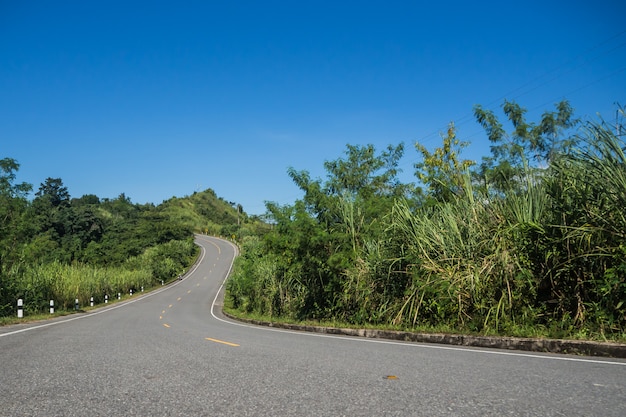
x=65, y=283
x=468, y=268
x=262, y=284
x=37, y=284
x=548, y=252
x=587, y=262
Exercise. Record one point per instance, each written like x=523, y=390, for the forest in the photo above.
x=55, y=247
x=530, y=241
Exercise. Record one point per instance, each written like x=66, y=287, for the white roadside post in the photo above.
x=91, y=301
x=106, y=298
x=20, y=308
x=76, y=304
x=119, y=295
x=51, y=306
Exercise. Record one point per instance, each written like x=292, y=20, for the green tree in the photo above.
x=321, y=237
x=54, y=192
x=51, y=211
x=8, y=188
x=364, y=173
x=442, y=171
x=15, y=228
x=528, y=144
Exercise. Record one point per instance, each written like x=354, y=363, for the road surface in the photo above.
x=171, y=353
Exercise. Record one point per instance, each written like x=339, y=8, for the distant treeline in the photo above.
x=530, y=241
x=54, y=247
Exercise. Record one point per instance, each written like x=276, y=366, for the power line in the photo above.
x=468, y=117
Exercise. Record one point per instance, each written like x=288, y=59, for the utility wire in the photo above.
x=469, y=117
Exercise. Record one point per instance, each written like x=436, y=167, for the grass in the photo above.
x=533, y=332
x=60, y=311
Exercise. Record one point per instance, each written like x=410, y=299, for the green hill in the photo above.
x=202, y=212
x=57, y=247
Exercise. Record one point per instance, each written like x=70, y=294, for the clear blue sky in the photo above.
x=157, y=99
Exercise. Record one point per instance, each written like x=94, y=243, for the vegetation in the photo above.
x=531, y=241
x=54, y=247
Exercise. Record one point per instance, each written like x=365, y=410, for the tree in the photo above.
x=15, y=227
x=48, y=209
x=86, y=200
x=529, y=144
x=8, y=169
x=54, y=192
x=442, y=171
x=322, y=236
x=364, y=173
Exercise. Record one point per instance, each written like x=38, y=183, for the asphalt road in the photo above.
x=170, y=353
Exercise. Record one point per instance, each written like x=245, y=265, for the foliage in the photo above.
x=14, y=227
x=62, y=248
x=528, y=144
x=531, y=241
x=63, y=283
x=442, y=171
x=587, y=270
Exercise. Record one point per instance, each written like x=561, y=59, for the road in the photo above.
x=171, y=353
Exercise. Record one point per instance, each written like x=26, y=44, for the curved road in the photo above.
x=170, y=353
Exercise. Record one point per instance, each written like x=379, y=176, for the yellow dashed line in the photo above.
x=222, y=342
x=166, y=325
x=189, y=292
x=170, y=306
x=179, y=299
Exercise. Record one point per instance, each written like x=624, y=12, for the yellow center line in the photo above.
x=221, y=341
x=213, y=243
x=163, y=312
x=189, y=292
x=170, y=306
x=166, y=325
x=179, y=299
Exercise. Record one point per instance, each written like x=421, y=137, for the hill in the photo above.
x=57, y=247
x=203, y=212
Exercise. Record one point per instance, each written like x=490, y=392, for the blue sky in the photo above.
x=159, y=99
